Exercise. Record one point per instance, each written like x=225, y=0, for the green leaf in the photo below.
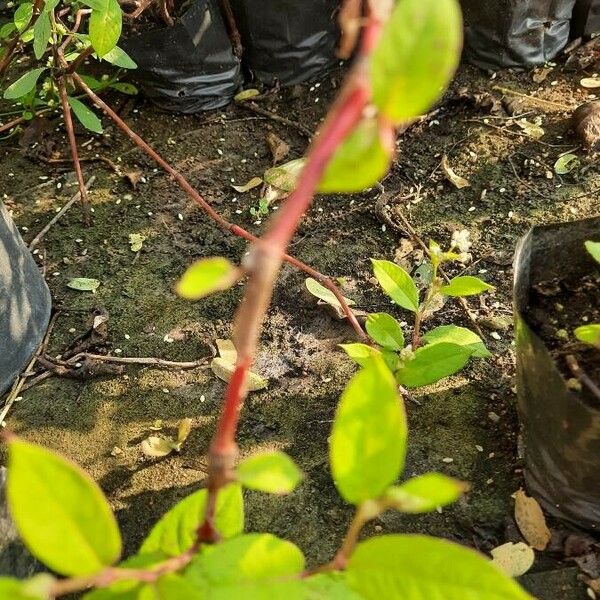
x=60, y=512
x=465, y=285
x=326, y=295
x=246, y=94
x=83, y=284
x=124, y=88
x=566, y=163
x=176, y=531
x=425, y=493
x=5, y=31
x=328, y=586
x=417, y=55
x=432, y=363
x=206, y=276
x=93, y=83
x=417, y=567
x=589, y=334
x=368, y=441
x=14, y=589
x=385, y=330
x=170, y=587
x=84, y=115
x=41, y=34
x=594, y=249
x=359, y=162
x=23, y=85
x=119, y=58
x=458, y=335
x=105, y=26
x=23, y=15
x=251, y=562
x=272, y=472
x=361, y=354
x=397, y=284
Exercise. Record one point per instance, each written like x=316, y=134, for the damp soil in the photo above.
x=556, y=308
x=465, y=426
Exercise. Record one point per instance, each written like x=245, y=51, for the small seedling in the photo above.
x=590, y=333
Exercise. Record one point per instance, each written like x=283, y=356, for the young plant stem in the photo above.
x=265, y=257
x=83, y=195
x=208, y=209
x=582, y=376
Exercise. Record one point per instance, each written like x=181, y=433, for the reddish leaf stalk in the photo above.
x=209, y=210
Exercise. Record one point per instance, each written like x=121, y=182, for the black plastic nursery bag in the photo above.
x=586, y=18
x=287, y=40
x=188, y=67
x=515, y=33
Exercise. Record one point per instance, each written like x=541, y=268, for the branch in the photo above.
x=208, y=209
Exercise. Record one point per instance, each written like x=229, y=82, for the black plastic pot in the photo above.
x=561, y=427
x=290, y=41
x=586, y=18
x=515, y=33
x=24, y=302
x=189, y=67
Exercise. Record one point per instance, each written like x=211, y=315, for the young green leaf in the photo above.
x=397, y=284
x=272, y=472
x=23, y=15
x=119, y=58
x=425, y=493
x=23, y=85
x=566, y=163
x=385, y=330
x=59, y=511
x=124, y=88
x=170, y=587
x=391, y=359
x=360, y=161
x=106, y=22
x=465, y=285
x=247, y=560
x=417, y=567
x=368, y=440
x=594, y=249
x=206, y=276
x=41, y=34
x=5, y=31
x=589, y=334
x=84, y=115
x=14, y=589
x=176, y=531
x=416, y=57
x=432, y=363
x=361, y=354
x=328, y=586
x=458, y=335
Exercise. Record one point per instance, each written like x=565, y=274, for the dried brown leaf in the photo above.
x=456, y=180
x=531, y=521
x=133, y=178
x=586, y=124
x=513, y=559
x=279, y=148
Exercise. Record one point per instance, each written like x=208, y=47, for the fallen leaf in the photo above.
x=279, y=149
x=590, y=83
x=156, y=447
x=251, y=184
x=224, y=370
x=456, y=180
x=533, y=130
x=566, y=163
x=513, y=560
x=183, y=431
x=133, y=178
x=99, y=321
x=540, y=75
x=136, y=241
x=326, y=296
x=586, y=123
x=284, y=177
x=227, y=350
x=531, y=521
x=246, y=94
x=83, y=284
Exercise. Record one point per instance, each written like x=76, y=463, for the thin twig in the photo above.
x=253, y=107
x=582, y=376
x=532, y=99
x=232, y=29
x=85, y=202
x=209, y=210
x=37, y=239
x=138, y=360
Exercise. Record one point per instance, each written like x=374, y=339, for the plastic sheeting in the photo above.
x=290, y=41
x=24, y=302
x=515, y=33
x=561, y=428
x=188, y=67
